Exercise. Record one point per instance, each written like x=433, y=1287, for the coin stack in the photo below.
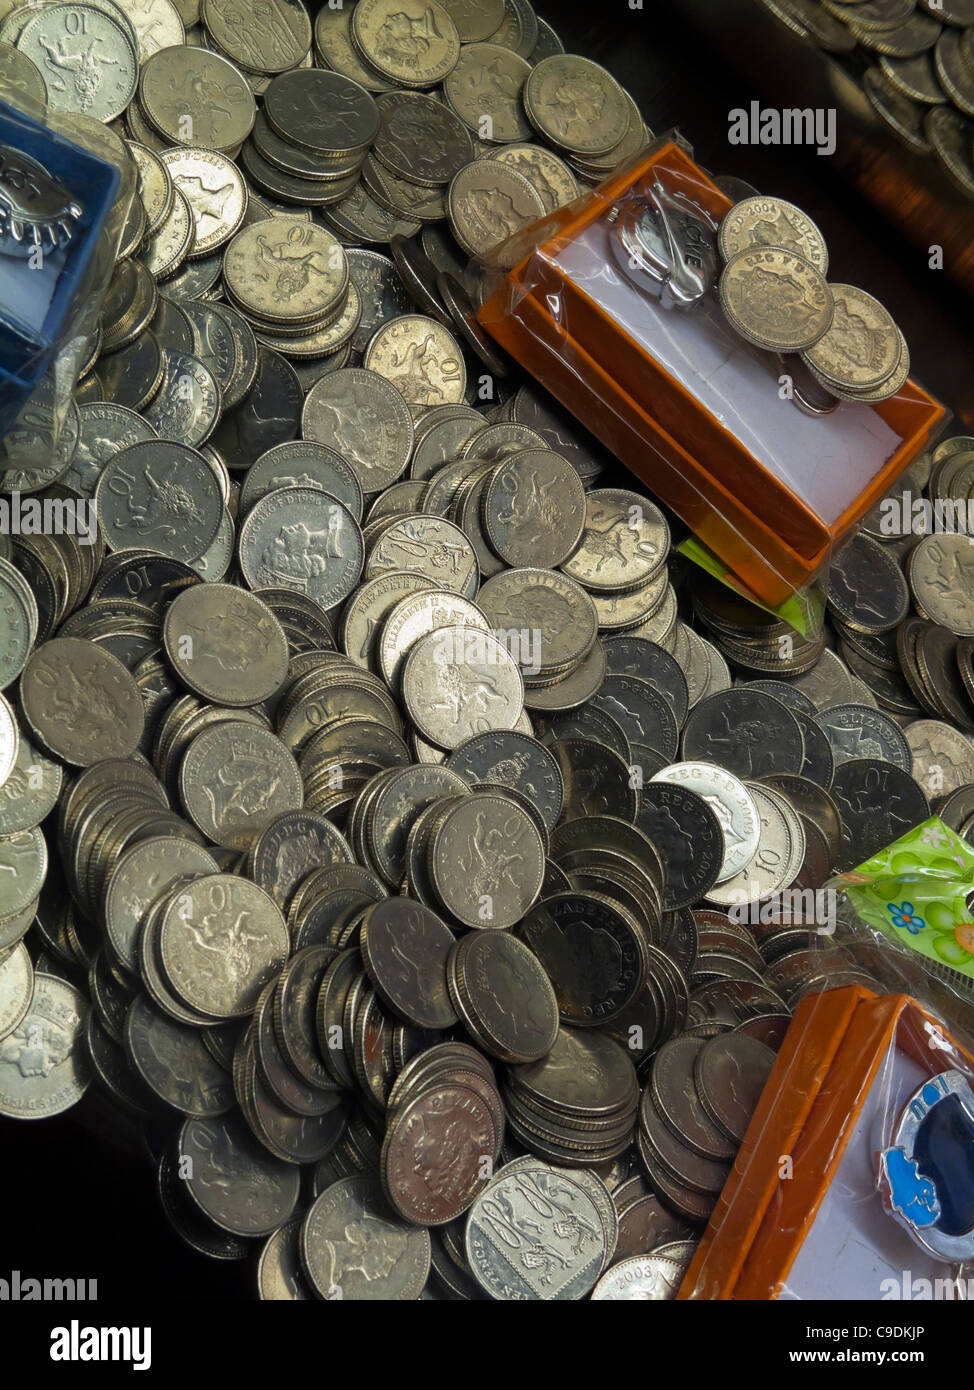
x=915, y=63
x=322, y=313
x=310, y=162
x=774, y=293
x=581, y=110
x=748, y=636
x=692, y=1118
x=596, y=1125
x=373, y=798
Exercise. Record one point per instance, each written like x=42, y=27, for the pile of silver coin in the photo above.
x=914, y=60
x=377, y=784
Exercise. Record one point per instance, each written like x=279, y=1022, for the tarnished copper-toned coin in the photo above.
x=452, y=1125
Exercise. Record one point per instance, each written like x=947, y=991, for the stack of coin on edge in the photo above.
x=914, y=62
x=774, y=292
x=377, y=797
x=691, y=1120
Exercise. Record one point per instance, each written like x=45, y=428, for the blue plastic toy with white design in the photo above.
x=55, y=198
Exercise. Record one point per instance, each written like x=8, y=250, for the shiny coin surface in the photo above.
x=106, y=428
x=488, y=204
x=23, y=869
x=772, y=222
x=776, y=299
x=548, y=174
x=164, y=491
x=44, y=1066
x=235, y=777
x=413, y=42
x=365, y=418
x=101, y=89
x=642, y=1278
x=303, y=539
x=21, y=75
x=186, y=408
x=941, y=576
x=498, y=851
x=878, y=803
x=675, y=1095
x=16, y=988
x=285, y=270
x=214, y=190
x=867, y=588
x=487, y=81
x=856, y=731
x=430, y=545
x=942, y=760
x=301, y=463
x=861, y=348
x=576, y=105
x=538, y=1200
x=624, y=543
x=9, y=741
x=517, y=760
x=30, y=791
x=420, y=139
x=424, y=609
x=141, y=877
x=346, y=1216
x=420, y=358
x=381, y=292
x=270, y=40
x=279, y=1275
x=534, y=509
x=459, y=681
x=224, y=916
x=475, y=19
x=597, y=779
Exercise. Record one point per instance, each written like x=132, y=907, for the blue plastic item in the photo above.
x=26, y=351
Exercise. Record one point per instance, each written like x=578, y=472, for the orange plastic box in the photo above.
x=559, y=328
x=842, y=1061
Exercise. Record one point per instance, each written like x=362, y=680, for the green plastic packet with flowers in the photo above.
x=915, y=892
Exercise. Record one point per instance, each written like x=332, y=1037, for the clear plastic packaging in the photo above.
x=912, y=900
x=51, y=297
x=855, y=1179
x=718, y=429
